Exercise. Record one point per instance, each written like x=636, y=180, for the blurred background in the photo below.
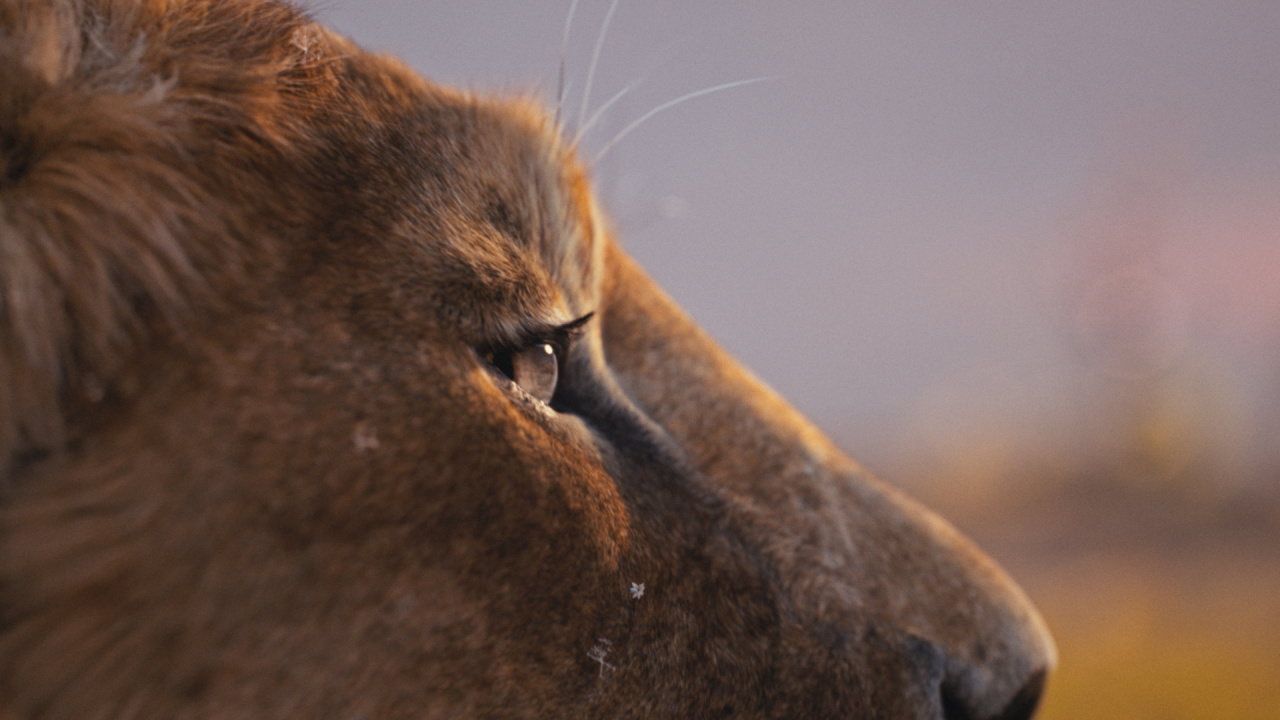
x=1022, y=259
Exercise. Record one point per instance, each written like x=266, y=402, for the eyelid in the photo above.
x=560, y=337
x=573, y=329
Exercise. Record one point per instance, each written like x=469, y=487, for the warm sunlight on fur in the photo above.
x=326, y=393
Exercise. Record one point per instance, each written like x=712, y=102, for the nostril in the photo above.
x=953, y=708
x=1024, y=704
x=1021, y=707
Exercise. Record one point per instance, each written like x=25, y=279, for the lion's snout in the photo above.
x=883, y=586
x=879, y=592
x=995, y=650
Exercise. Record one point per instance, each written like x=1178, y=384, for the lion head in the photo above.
x=325, y=392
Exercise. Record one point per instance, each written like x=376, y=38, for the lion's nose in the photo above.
x=958, y=702
x=1000, y=671
x=991, y=651
x=999, y=655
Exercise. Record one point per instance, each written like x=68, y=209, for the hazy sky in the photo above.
x=938, y=221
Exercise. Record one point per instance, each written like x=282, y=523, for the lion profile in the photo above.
x=325, y=391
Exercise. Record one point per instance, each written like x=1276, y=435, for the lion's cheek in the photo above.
x=532, y=478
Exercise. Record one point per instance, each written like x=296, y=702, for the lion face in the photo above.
x=326, y=392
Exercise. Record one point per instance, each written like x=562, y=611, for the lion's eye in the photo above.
x=535, y=369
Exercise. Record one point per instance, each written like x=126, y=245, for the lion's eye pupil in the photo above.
x=535, y=369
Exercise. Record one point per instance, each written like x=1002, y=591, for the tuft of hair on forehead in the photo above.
x=133, y=137
x=557, y=194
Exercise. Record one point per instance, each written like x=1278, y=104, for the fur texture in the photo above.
x=260, y=456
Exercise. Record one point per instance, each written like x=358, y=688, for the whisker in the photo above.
x=595, y=117
x=595, y=59
x=672, y=103
x=561, y=89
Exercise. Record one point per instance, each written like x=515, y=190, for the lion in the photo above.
x=327, y=392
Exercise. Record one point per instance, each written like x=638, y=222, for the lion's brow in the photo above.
x=561, y=335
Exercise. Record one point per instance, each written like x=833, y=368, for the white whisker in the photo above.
x=561, y=89
x=559, y=124
x=672, y=103
x=595, y=117
x=595, y=59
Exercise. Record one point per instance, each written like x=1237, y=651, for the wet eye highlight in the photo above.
x=535, y=364
x=536, y=369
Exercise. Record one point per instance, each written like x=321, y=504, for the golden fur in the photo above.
x=264, y=453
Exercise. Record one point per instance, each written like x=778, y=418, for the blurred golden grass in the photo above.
x=1145, y=532
x=1142, y=638
x=1164, y=599
x=1167, y=675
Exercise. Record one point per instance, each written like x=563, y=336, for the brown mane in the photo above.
x=105, y=112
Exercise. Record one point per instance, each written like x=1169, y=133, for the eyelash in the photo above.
x=561, y=339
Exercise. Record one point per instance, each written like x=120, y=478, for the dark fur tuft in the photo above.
x=125, y=132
